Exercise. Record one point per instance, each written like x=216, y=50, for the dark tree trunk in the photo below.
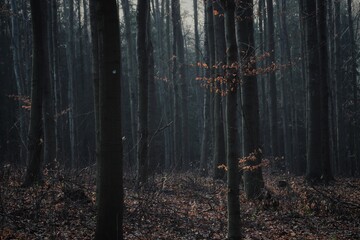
x=231, y=113
x=175, y=80
x=95, y=68
x=253, y=179
x=354, y=129
x=56, y=86
x=313, y=171
x=70, y=53
x=220, y=62
x=273, y=92
x=40, y=74
x=206, y=105
x=18, y=72
x=156, y=156
x=131, y=71
x=323, y=54
x=110, y=202
x=48, y=103
x=338, y=61
x=180, y=101
x=143, y=60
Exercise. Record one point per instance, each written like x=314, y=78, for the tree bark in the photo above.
x=231, y=112
x=273, y=92
x=313, y=170
x=18, y=72
x=70, y=53
x=324, y=70
x=220, y=62
x=143, y=60
x=110, y=203
x=40, y=74
x=131, y=70
x=354, y=129
x=253, y=180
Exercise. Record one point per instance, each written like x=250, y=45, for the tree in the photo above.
x=49, y=100
x=354, y=129
x=313, y=168
x=131, y=69
x=219, y=62
x=40, y=74
x=326, y=174
x=273, y=94
x=70, y=54
x=206, y=105
x=110, y=185
x=232, y=154
x=18, y=71
x=253, y=179
x=143, y=59
x=180, y=100
x=95, y=68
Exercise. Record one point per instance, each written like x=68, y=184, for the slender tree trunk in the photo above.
x=171, y=64
x=143, y=60
x=273, y=92
x=48, y=104
x=131, y=70
x=232, y=146
x=323, y=53
x=180, y=90
x=301, y=162
x=206, y=105
x=211, y=55
x=56, y=88
x=16, y=48
x=70, y=53
x=355, y=162
x=313, y=171
x=155, y=145
x=339, y=87
x=220, y=62
x=95, y=77
x=286, y=84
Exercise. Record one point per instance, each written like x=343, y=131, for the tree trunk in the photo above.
x=143, y=60
x=285, y=77
x=273, y=92
x=55, y=76
x=131, y=70
x=48, y=104
x=323, y=53
x=220, y=62
x=18, y=73
x=355, y=161
x=180, y=101
x=70, y=53
x=338, y=61
x=110, y=203
x=40, y=74
x=95, y=77
x=206, y=105
x=253, y=180
x=232, y=146
x=313, y=170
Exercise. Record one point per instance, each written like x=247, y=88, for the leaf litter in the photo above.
x=179, y=206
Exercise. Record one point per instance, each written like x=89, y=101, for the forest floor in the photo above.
x=179, y=206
